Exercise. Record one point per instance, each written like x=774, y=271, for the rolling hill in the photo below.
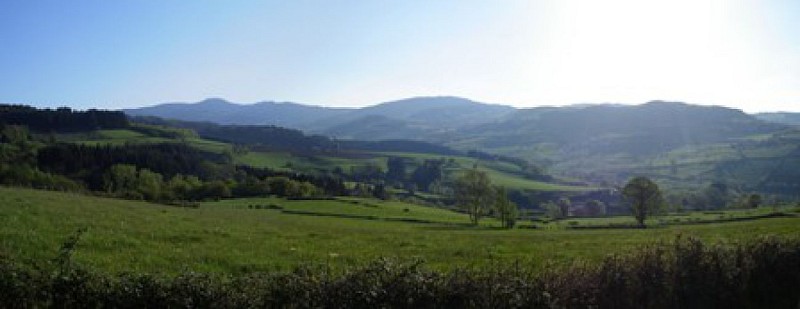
x=682, y=145
x=219, y=111
x=780, y=117
x=416, y=116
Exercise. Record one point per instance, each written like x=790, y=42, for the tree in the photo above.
x=149, y=184
x=596, y=208
x=552, y=210
x=474, y=193
x=506, y=209
x=754, y=200
x=428, y=173
x=396, y=169
x=215, y=190
x=644, y=198
x=120, y=178
x=379, y=191
x=563, y=207
x=717, y=195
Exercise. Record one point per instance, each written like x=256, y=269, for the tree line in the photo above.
x=62, y=119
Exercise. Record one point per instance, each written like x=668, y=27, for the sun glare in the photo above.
x=633, y=51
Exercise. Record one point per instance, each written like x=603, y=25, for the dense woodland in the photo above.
x=62, y=119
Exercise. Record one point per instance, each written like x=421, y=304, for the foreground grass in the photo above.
x=682, y=273
x=228, y=236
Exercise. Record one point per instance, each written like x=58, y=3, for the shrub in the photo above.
x=684, y=273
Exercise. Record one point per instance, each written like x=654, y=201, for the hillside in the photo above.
x=418, y=116
x=609, y=143
x=219, y=111
x=180, y=162
x=410, y=118
x=636, y=130
x=603, y=144
x=780, y=117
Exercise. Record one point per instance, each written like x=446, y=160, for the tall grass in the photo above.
x=683, y=273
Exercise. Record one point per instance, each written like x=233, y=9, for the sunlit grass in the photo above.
x=228, y=236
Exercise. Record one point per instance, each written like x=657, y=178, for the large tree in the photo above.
x=474, y=194
x=643, y=196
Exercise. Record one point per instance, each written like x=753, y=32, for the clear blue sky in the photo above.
x=121, y=53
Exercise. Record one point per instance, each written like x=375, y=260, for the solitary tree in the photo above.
x=505, y=209
x=643, y=196
x=474, y=194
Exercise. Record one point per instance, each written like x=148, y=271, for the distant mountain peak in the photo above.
x=208, y=101
x=432, y=101
x=664, y=102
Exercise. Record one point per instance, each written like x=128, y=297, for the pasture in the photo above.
x=265, y=234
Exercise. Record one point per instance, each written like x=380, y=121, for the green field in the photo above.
x=501, y=173
x=120, y=137
x=234, y=236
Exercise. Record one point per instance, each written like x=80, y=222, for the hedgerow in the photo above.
x=683, y=273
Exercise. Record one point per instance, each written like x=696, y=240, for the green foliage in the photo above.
x=62, y=119
x=124, y=180
x=428, y=173
x=564, y=205
x=214, y=190
x=14, y=134
x=553, y=210
x=596, y=208
x=505, y=209
x=120, y=178
x=684, y=273
x=474, y=194
x=396, y=169
x=754, y=200
x=644, y=198
x=717, y=195
x=23, y=175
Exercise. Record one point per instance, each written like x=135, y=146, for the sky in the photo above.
x=131, y=53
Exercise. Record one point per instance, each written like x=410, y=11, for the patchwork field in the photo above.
x=268, y=234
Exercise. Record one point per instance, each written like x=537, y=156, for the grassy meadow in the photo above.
x=244, y=235
x=501, y=173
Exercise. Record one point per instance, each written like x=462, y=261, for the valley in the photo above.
x=98, y=196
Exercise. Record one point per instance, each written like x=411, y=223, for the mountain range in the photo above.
x=780, y=117
x=408, y=117
x=679, y=143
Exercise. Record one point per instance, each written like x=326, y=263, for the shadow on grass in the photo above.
x=371, y=218
x=688, y=222
x=462, y=227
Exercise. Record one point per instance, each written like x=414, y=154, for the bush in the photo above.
x=684, y=273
